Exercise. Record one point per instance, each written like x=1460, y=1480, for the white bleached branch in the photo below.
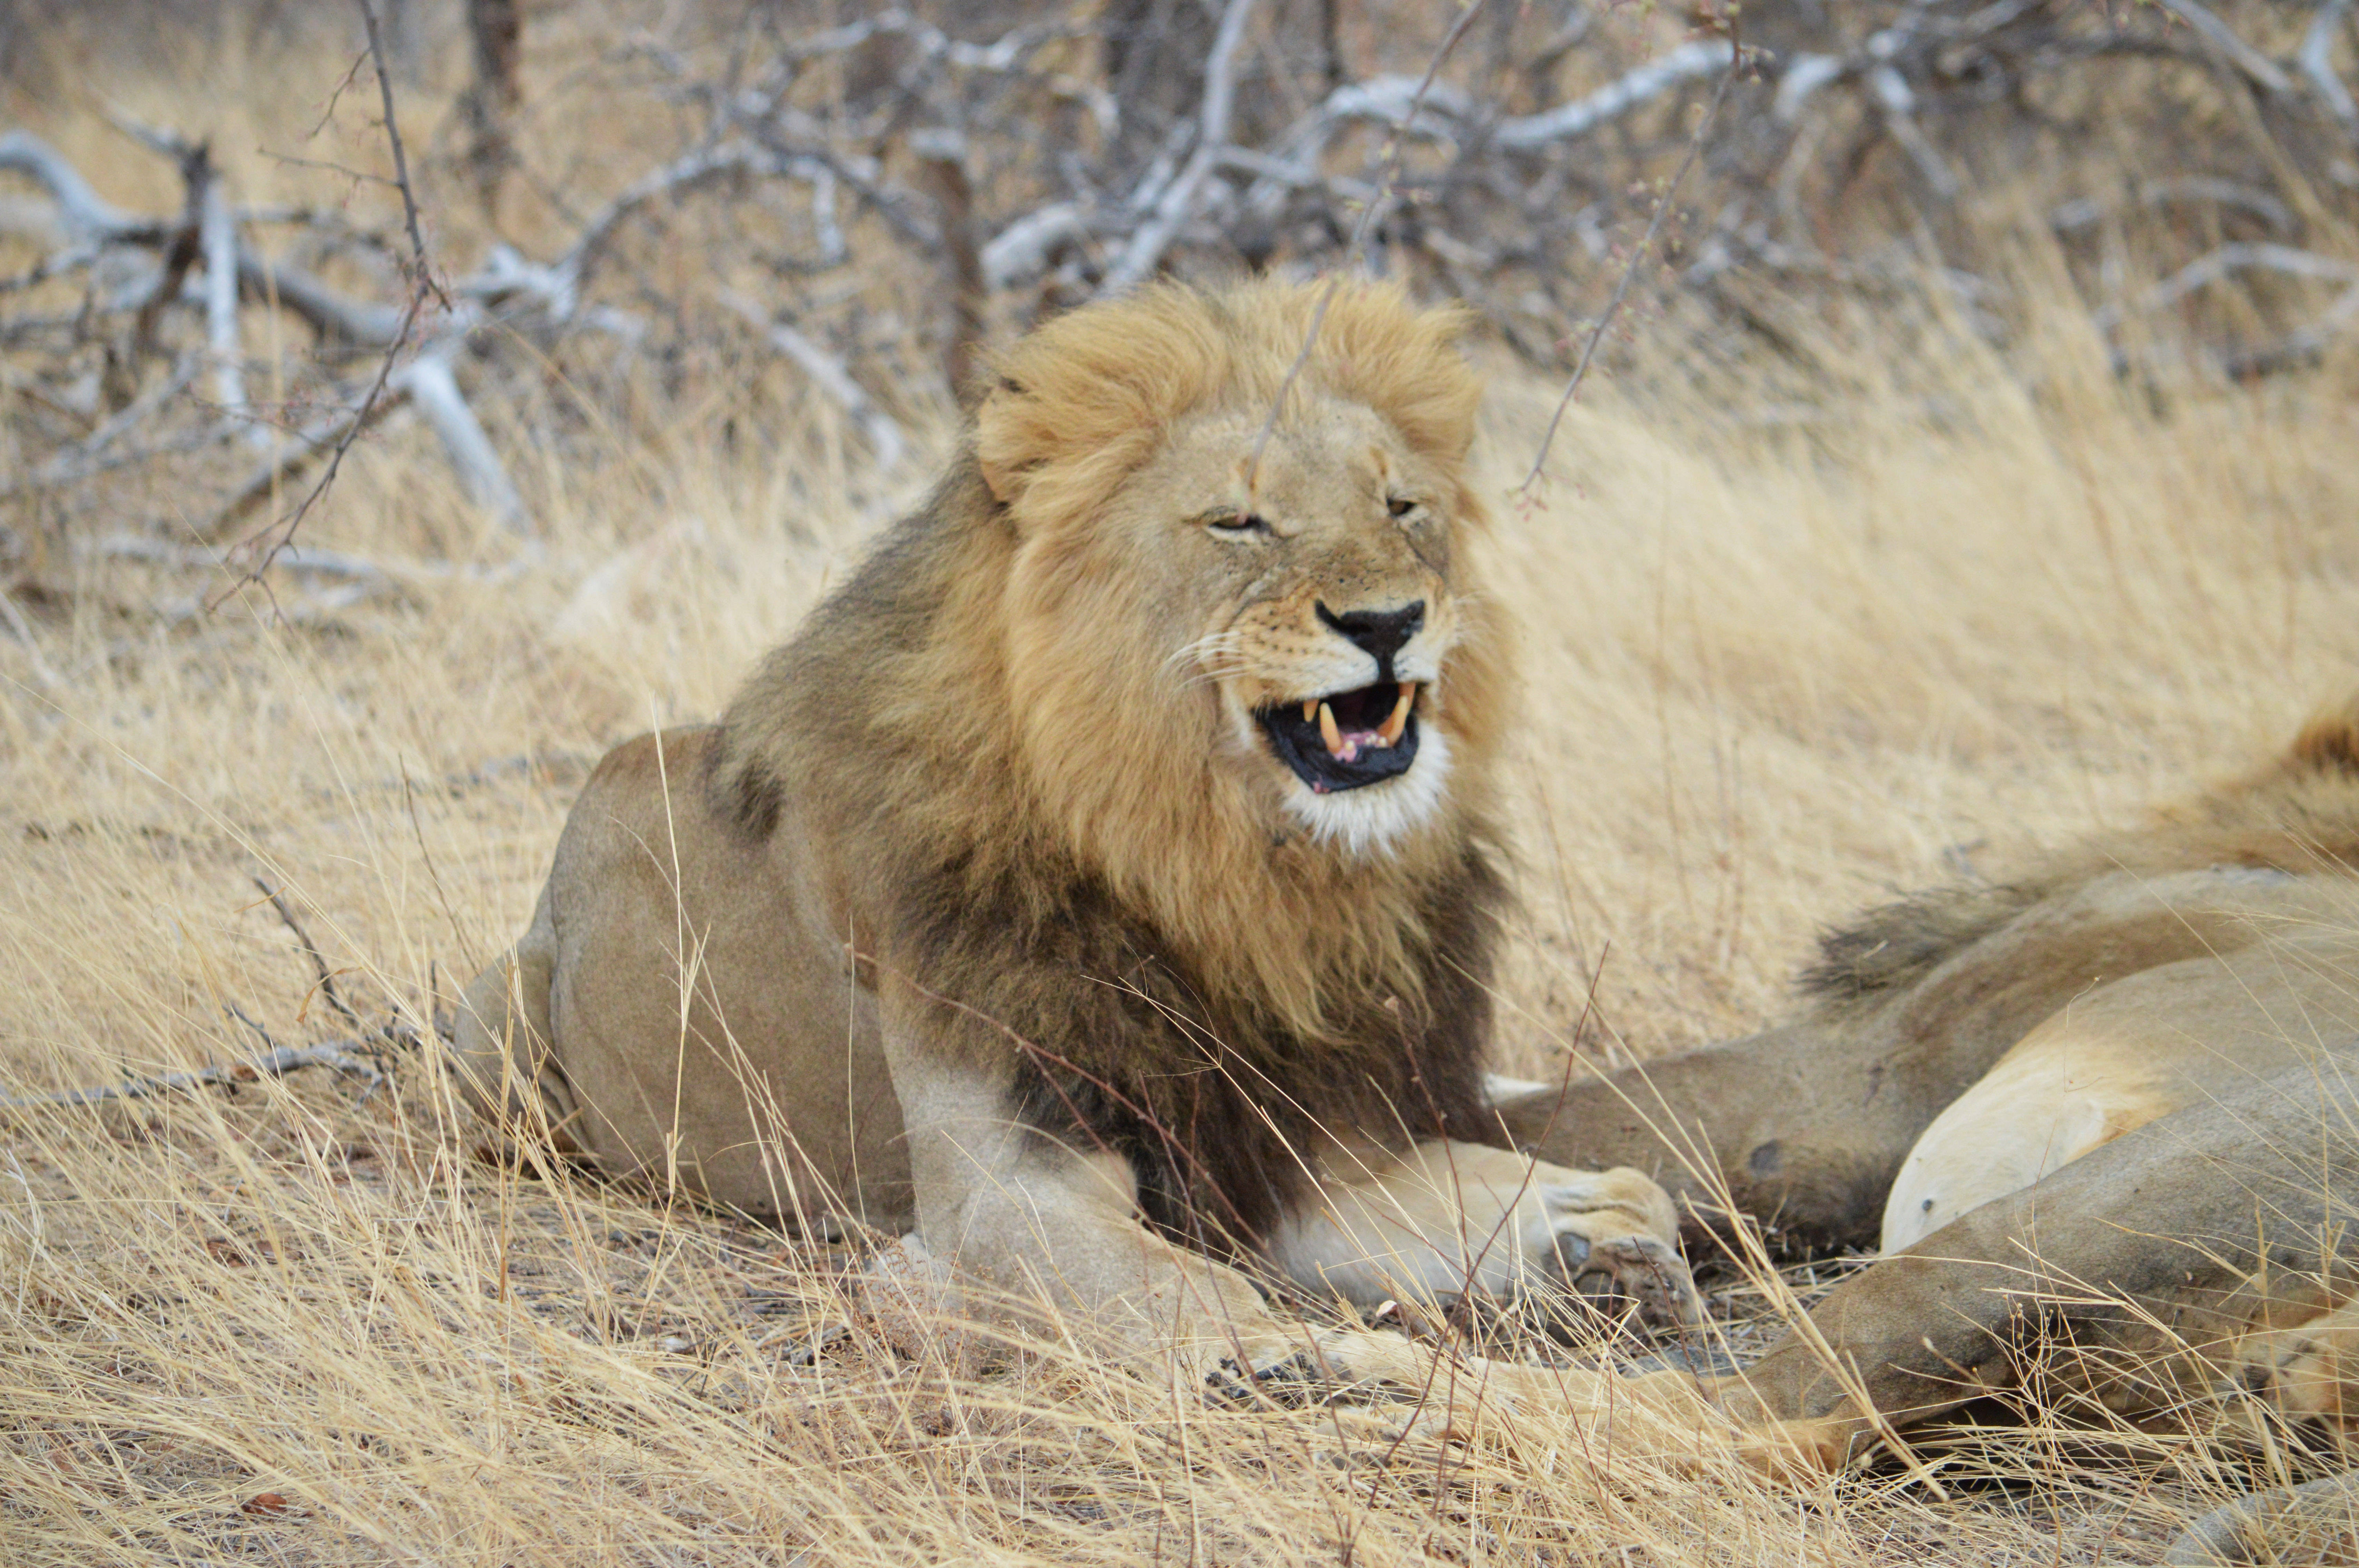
x=2316, y=59
x=1022, y=249
x=434, y=390
x=87, y=216
x=1689, y=62
x=1178, y=204
x=2224, y=40
x=217, y=241
x=343, y=1055
x=2227, y=260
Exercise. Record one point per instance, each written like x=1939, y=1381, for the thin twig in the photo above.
x=424, y=277
x=1396, y=150
x=361, y=417
x=1637, y=259
x=266, y=544
x=326, y=986
x=333, y=435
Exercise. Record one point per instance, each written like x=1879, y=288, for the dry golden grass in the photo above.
x=1774, y=669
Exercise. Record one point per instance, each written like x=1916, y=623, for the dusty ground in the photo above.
x=1778, y=663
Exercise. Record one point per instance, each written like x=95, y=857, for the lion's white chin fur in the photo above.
x=1365, y=822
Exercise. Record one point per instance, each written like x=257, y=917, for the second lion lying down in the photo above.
x=1117, y=845
x=2097, y=1115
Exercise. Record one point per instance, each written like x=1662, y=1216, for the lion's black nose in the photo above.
x=1382, y=633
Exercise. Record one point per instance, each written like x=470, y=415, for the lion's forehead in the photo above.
x=1321, y=445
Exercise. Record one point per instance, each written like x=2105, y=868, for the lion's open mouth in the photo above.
x=1346, y=739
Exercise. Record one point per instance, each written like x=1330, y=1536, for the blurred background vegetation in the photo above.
x=623, y=206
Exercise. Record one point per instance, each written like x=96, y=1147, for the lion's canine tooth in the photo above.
x=1328, y=732
x=1309, y=708
x=1391, y=733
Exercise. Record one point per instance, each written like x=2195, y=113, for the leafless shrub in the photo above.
x=874, y=196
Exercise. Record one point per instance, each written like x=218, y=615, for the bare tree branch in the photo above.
x=1178, y=203
x=706, y=166
x=217, y=237
x=1023, y=249
x=1395, y=151
x=1689, y=62
x=1514, y=212
x=431, y=387
x=361, y=324
x=86, y=216
x=2224, y=41
x=427, y=380
x=343, y=1055
x=2228, y=260
x=2316, y=59
x=327, y=978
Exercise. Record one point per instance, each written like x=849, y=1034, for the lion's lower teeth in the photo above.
x=1328, y=732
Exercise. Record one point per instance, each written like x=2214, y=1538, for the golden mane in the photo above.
x=998, y=768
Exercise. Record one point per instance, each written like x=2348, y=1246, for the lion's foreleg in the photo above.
x=1026, y=1219
x=1017, y=1224
x=1800, y=1125
x=1449, y=1219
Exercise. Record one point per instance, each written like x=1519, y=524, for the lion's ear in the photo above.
x=1009, y=443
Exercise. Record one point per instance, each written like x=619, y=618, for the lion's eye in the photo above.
x=1400, y=506
x=1237, y=523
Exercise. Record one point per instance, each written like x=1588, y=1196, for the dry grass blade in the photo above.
x=1638, y=260
x=1396, y=149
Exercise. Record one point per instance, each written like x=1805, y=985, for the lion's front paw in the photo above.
x=1610, y=1240
x=1622, y=1272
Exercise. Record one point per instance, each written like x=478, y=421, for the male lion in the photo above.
x=1117, y=844
x=2095, y=1115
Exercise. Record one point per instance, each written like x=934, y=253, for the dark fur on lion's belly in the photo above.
x=1217, y=1108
